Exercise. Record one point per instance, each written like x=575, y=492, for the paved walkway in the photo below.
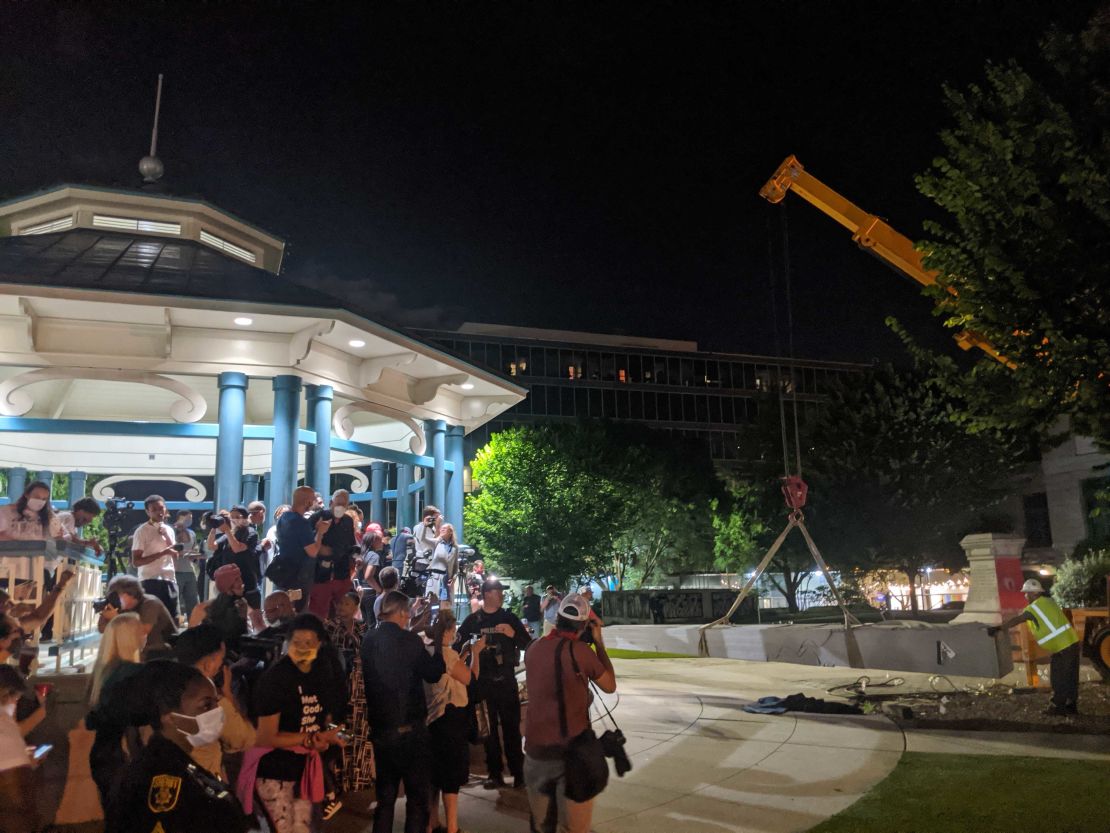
x=701, y=763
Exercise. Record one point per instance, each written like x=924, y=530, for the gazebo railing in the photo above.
x=74, y=618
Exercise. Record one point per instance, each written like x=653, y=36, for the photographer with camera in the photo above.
x=125, y=593
x=334, y=564
x=153, y=548
x=549, y=607
x=233, y=540
x=298, y=544
x=505, y=638
x=558, y=671
x=426, y=533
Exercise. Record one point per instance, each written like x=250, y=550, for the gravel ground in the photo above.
x=1012, y=710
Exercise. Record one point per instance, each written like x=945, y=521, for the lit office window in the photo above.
x=622, y=376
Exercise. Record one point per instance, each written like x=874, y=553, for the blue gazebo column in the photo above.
x=453, y=510
x=250, y=488
x=377, y=493
x=266, y=493
x=17, y=482
x=47, y=477
x=404, y=499
x=77, y=481
x=317, y=458
x=435, y=479
x=287, y=422
x=229, y=443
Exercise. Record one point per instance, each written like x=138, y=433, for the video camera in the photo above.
x=265, y=651
x=213, y=520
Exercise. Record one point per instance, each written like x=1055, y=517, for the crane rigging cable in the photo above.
x=794, y=488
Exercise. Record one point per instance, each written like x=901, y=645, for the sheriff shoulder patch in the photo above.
x=164, y=792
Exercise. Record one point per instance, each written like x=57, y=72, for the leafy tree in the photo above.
x=1024, y=257
x=1081, y=581
x=746, y=525
x=561, y=501
x=896, y=475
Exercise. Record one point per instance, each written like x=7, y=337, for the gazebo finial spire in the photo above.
x=151, y=166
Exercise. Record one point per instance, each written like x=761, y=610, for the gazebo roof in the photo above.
x=110, y=260
x=125, y=306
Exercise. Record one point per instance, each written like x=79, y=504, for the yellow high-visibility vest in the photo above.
x=1049, y=626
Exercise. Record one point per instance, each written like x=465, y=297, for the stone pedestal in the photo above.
x=994, y=593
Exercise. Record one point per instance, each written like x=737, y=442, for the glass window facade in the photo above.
x=701, y=395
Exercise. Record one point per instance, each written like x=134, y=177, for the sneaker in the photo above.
x=331, y=807
x=494, y=782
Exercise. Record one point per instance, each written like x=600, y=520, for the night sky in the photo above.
x=589, y=166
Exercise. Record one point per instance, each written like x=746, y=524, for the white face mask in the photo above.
x=35, y=504
x=339, y=511
x=9, y=709
x=209, y=726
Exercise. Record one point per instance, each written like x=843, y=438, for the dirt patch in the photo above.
x=1008, y=710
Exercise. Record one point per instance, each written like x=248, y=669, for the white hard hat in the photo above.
x=1032, y=586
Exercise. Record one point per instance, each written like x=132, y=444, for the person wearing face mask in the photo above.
x=295, y=700
x=334, y=564
x=164, y=789
x=236, y=542
x=17, y=786
x=31, y=518
x=203, y=648
x=444, y=565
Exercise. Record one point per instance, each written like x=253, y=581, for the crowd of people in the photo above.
x=214, y=714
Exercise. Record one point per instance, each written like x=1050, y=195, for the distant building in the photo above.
x=666, y=384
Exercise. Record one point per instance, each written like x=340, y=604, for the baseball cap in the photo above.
x=492, y=584
x=574, y=607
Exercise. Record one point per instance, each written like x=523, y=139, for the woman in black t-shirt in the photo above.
x=295, y=702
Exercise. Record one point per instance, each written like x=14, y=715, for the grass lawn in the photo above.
x=621, y=653
x=930, y=793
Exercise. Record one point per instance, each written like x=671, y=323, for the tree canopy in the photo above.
x=562, y=501
x=895, y=476
x=1024, y=255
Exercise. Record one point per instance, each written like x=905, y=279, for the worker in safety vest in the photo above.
x=1054, y=633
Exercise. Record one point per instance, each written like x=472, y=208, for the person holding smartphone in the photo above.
x=17, y=788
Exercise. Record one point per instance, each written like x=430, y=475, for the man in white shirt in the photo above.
x=426, y=533
x=153, y=548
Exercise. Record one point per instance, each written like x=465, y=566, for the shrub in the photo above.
x=1081, y=582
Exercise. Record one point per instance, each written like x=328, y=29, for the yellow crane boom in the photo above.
x=868, y=232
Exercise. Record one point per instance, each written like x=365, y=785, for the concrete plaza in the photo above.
x=703, y=765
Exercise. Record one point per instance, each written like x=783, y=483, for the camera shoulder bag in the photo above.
x=586, y=770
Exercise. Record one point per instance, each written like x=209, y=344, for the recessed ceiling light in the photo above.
x=357, y=342
x=243, y=321
x=467, y=386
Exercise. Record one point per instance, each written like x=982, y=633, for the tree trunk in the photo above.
x=911, y=583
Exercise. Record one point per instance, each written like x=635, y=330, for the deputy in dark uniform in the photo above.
x=164, y=791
